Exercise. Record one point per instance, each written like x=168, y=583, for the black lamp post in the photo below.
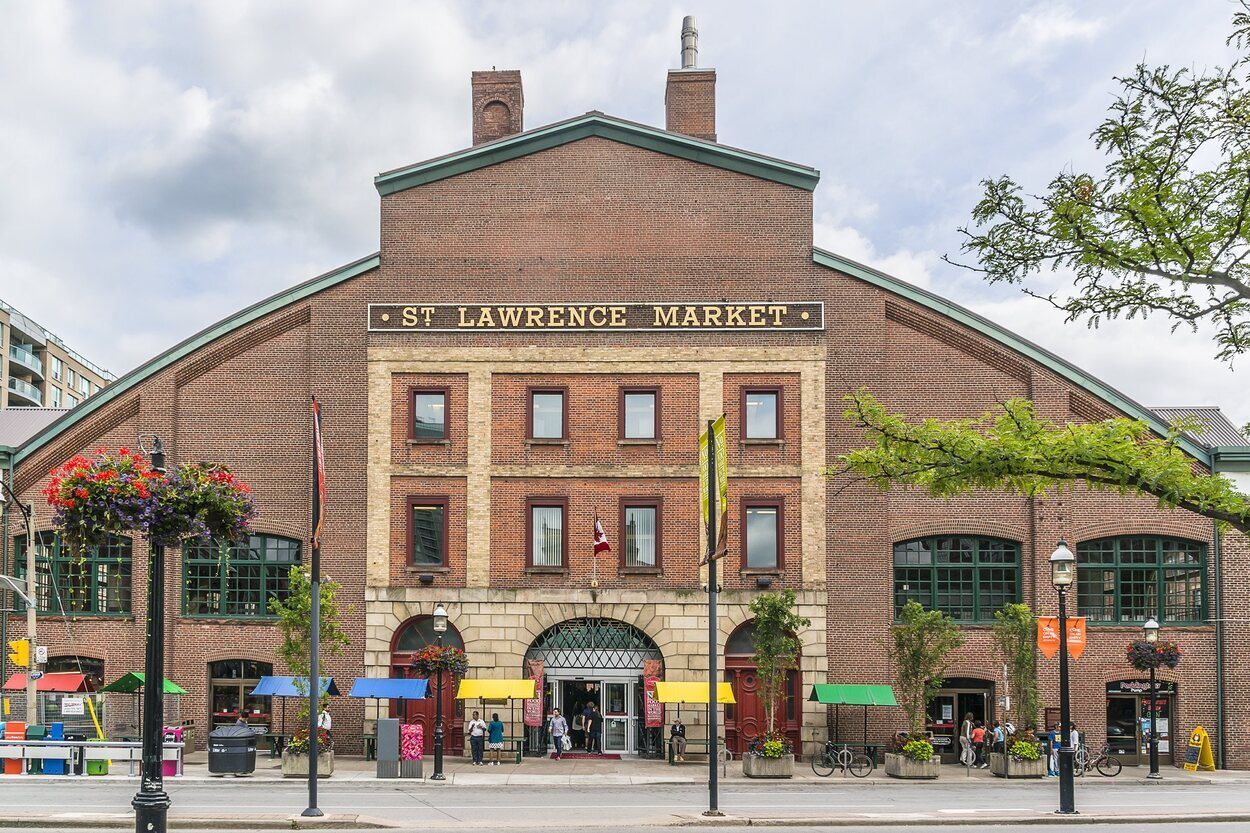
x=151, y=803
x=1152, y=636
x=440, y=628
x=1062, y=575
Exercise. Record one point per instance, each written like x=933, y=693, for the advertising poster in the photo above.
x=534, y=708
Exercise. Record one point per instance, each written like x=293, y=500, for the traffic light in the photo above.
x=21, y=652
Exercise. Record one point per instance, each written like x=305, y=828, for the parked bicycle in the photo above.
x=844, y=758
x=1104, y=762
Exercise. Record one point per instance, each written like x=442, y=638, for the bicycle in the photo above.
x=1104, y=762
x=846, y=759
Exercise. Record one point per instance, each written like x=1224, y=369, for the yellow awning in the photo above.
x=692, y=693
x=496, y=690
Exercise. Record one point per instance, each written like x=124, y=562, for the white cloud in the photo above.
x=1039, y=33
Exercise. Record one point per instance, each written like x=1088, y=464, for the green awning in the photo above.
x=853, y=695
x=134, y=681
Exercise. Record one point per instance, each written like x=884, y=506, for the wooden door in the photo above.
x=748, y=717
x=423, y=712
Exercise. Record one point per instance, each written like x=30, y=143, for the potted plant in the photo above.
x=776, y=654
x=295, y=620
x=1023, y=759
x=1015, y=636
x=919, y=646
x=1147, y=656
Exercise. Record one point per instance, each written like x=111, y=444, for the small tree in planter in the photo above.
x=776, y=654
x=295, y=620
x=1015, y=636
x=919, y=646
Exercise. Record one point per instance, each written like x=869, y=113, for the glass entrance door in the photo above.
x=1122, y=729
x=616, y=716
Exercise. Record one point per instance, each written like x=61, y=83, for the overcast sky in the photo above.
x=165, y=164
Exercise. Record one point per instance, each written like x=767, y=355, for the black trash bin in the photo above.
x=78, y=761
x=232, y=751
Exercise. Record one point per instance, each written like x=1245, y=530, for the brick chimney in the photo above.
x=690, y=96
x=497, y=104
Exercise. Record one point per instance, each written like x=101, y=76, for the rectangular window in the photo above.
x=640, y=534
x=640, y=414
x=761, y=414
x=98, y=583
x=84, y=387
x=546, y=414
x=429, y=414
x=70, y=381
x=1132, y=579
x=546, y=533
x=427, y=534
x=237, y=581
x=966, y=578
x=58, y=367
x=70, y=401
x=56, y=396
x=762, y=529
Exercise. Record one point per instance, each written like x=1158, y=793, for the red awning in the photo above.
x=66, y=683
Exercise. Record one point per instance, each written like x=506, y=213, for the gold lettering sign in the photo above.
x=583, y=317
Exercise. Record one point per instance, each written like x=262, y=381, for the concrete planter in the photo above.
x=1005, y=766
x=900, y=766
x=753, y=766
x=295, y=764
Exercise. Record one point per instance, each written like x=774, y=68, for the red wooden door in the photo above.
x=422, y=712
x=748, y=717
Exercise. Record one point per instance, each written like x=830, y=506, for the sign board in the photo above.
x=580, y=316
x=1198, y=755
x=722, y=468
x=41, y=654
x=73, y=705
x=1140, y=687
x=941, y=740
x=36, y=675
x=654, y=708
x=533, y=709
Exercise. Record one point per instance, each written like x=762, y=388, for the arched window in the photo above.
x=418, y=633
x=966, y=578
x=1132, y=578
x=239, y=580
x=741, y=642
x=96, y=584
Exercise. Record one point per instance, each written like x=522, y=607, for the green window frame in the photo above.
x=1130, y=578
x=98, y=584
x=967, y=578
x=237, y=582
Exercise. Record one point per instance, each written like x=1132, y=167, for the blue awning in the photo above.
x=391, y=689
x=285, y=687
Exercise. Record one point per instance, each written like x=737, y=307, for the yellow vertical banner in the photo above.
x=722, y=477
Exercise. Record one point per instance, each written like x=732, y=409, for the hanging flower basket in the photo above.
x=115, y=494
x=431, y=659
x=110, y=495
x=1144, y=655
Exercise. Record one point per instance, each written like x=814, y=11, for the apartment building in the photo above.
x=39, y=369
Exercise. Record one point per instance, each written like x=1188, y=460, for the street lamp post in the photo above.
x=440, y=628
x=1062, y=574
x=1152, y=636
x=151, y=803
x=32, y=583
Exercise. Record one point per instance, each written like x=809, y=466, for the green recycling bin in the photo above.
x=98, y=767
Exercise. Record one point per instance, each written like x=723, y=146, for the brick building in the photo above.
x=552, y=317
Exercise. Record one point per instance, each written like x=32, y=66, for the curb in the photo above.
x=948, y=821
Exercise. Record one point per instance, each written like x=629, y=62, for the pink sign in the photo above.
x=655, y=709
x=534, y=708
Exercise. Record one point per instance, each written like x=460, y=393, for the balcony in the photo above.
x=26, y=359
x=24, y=392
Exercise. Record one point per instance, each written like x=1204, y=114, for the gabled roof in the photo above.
x=1220, y=429
x=595, y=123
x=1005, y=337
x=223, y=327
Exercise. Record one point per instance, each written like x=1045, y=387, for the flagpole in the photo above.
x=314, y=666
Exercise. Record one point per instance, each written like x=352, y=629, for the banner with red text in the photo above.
x=534, y=708
x=654, y=708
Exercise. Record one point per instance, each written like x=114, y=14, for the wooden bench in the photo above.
x=698, y=745
x=512, y=746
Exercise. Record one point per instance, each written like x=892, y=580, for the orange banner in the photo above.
x=1076, y=636
x=1048, y=636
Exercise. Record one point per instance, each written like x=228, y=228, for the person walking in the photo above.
x=578, y=731
x=978, y=746
x=559, y=727
x=677, y=736
x=324, y=722
x=477, y=738
x=965, y=740
x=494, y=738
x=595, y=730
x=1000, y=738
x=587, y=713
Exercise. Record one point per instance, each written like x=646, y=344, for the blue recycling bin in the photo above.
x=55, y=766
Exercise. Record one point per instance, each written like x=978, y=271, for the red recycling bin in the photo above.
x=173, y=734
x=14, y=731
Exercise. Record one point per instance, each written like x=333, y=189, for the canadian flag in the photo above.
x=601, y=538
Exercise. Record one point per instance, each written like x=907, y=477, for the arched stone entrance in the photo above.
x=410, y=637
x=601, y=661
x=748, y=717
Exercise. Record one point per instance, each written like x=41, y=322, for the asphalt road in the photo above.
x=428, y=807
x=1191, y=827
